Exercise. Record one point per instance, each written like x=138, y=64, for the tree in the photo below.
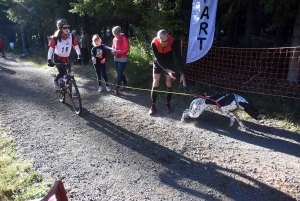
x=6, y=25
x=231, y=15
x=294, y=66
x=285, y=13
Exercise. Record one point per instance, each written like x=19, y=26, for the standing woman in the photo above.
x=61, y=44
x=122, y=47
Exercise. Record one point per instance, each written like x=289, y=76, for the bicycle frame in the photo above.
x=68, y=86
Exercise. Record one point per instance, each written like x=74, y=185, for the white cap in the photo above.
x=74, y=31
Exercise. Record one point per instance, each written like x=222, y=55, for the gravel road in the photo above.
x=115, y=151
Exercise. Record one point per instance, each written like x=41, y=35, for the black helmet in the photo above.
x=61, y=22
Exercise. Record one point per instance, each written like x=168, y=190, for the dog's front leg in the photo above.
x=185, y=115
x=232, y=118
x=196, y=108
x=239, y=120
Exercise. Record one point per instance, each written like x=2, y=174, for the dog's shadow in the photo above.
x=258, y=134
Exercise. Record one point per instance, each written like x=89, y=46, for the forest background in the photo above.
x=32, y=21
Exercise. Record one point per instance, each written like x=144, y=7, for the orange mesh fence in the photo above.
x=270, y=71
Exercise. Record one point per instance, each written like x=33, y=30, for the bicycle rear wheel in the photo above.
x=75, y=97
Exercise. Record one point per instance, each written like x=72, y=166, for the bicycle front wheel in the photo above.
x=75, y=97
x=61, y=95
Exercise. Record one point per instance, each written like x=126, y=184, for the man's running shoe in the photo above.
x=117, y=92
x=108, y=88
x=100, y=89
x=168, y=108
x=152, y=110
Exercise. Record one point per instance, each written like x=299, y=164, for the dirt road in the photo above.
x=115, y=151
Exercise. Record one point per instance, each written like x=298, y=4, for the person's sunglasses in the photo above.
x=66, y=28
x=164, y=41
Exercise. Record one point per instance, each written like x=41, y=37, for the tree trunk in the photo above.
x=23, y=37
x=248, y=26
x=46, y=41
x=218, y=32
x=294, y=65
x=154, y=3
x=126, y=28
x=279, y=37
x=231, y=32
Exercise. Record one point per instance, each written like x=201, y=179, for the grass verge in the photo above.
x=18, y=181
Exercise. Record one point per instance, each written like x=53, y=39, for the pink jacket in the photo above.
x=121, y=44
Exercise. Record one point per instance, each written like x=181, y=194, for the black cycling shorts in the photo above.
x=157, y=69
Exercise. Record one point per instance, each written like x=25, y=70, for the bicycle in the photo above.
x=68, y=86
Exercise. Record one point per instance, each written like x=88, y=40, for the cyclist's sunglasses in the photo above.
x=66, y=28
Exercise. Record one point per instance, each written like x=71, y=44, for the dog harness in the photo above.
x=217, y=101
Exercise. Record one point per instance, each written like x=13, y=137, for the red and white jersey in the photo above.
x=63, y=48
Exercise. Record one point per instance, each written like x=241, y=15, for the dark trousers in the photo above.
x=85, y=55
x=120, y=66
x=61, y=70
x=101, y=69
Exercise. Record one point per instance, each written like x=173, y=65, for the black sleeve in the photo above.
x=157, y=55
x=177, y=53
x=104, y=51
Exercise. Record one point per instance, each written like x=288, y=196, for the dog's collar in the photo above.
x=236, y=100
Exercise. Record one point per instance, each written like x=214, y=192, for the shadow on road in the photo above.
x=6, y=70
x=260, y=135
x=184, y=174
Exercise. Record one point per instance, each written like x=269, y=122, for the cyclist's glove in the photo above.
x=79, y=59
x=50, y=63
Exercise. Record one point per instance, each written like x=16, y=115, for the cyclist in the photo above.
x=61, y=45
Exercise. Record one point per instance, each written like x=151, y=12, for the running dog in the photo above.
x=228, y=103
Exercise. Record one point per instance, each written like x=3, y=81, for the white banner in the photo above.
x=202, y=28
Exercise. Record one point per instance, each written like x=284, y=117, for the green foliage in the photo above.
x=144, y=17
x=174, y=16
x=139, y=66
x=6, y=25
x=228, y=10
x=18, y=181
x=99, y=9
x=282, y=12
